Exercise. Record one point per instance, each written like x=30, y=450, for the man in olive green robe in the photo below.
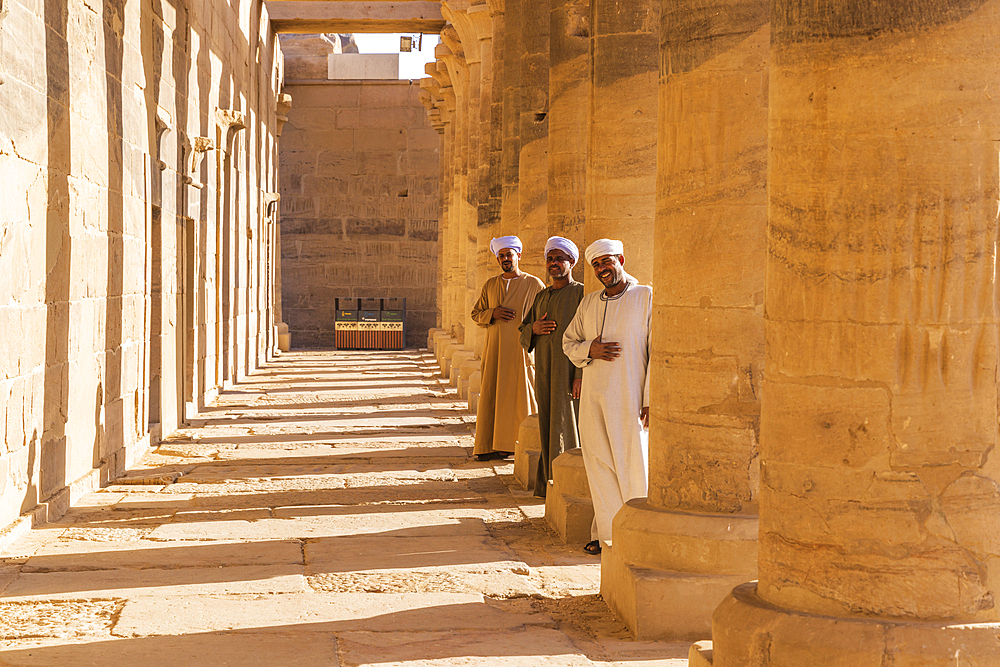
x=506, y=395
x=557, y=379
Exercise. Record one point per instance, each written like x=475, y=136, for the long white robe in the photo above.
x=615, y=446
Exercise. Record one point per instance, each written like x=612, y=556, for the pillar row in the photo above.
x=879, y=501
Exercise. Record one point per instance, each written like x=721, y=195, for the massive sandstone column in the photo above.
x=482, y=25
x=510, y=128
x=694, y=537
x=451, y=54
x=533, y=164
x=879, y=503
x=569, y=104
x=621, y=178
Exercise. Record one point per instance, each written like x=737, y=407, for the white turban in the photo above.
x=567, y=246
x=602, y=247
x=498, y=244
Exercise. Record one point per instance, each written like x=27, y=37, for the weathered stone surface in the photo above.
x=321, y=613
x=133, y=583
x=198, y=555
x=358, y=214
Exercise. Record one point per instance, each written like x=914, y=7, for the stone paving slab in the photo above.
x=286, y=648
x=527, y=647
x=316, y=612
x=299, y=521
x=356, y=554
x=434, y=523
x=126, y=583
x=83, y=556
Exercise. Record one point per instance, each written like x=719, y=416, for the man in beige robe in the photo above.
x=507, y=392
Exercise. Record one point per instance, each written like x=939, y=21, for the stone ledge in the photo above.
x=658, y=554
x=636, y=597
x=744, y=626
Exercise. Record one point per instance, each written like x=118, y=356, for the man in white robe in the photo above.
x=609, y=339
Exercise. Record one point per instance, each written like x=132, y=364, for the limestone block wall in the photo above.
x=113, y=217
x=360, y=203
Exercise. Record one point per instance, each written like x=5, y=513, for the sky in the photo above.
x=411, y=65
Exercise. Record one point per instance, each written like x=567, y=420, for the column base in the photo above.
x=691, y=559
x=444, y=362
x=284, y=338
x=700, y=654
x=526, y=452
x=568, y=508
x=749, y=631
x=475, y=385
x=465, y=372
x=457, y=361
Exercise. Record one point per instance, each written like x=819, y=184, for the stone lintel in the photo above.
x=692, y=559
x=744, y=624
x=316, y=16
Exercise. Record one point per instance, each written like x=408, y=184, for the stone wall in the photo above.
x=360, y=204
x=115, y=314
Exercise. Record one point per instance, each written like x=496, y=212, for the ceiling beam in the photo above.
x=348, y=16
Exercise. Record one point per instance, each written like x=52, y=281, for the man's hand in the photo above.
x=644, y=417
x=504, y=314
x=607, y=351
x=543, y=326
x=577, y=386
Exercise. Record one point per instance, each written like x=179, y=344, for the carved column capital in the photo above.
x=194, y=151
x=283, y=107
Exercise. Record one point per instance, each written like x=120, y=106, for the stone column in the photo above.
x=621, y=175
x=569, y=105
x=694, y=537
x=452, y=56
x=533, y=165
x=481, y=21
x=879, y=502
x=493, y=121
x=510, y=150
x=468, y=45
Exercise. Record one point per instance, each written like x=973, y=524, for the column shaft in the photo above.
x=879, y=496
x=621, y=179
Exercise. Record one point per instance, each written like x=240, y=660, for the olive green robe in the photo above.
x=554, y=375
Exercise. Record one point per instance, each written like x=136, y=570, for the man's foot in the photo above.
x=593, y=547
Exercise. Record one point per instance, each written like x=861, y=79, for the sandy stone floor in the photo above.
x=327, y=511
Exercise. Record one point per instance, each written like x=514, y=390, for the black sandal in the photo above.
x=593, y=547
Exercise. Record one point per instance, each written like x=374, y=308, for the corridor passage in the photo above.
x=327, y=511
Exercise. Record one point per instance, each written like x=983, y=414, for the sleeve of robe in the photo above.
x=527, y=336
x=649, y=349
x=576, y=347
x=482, y=314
